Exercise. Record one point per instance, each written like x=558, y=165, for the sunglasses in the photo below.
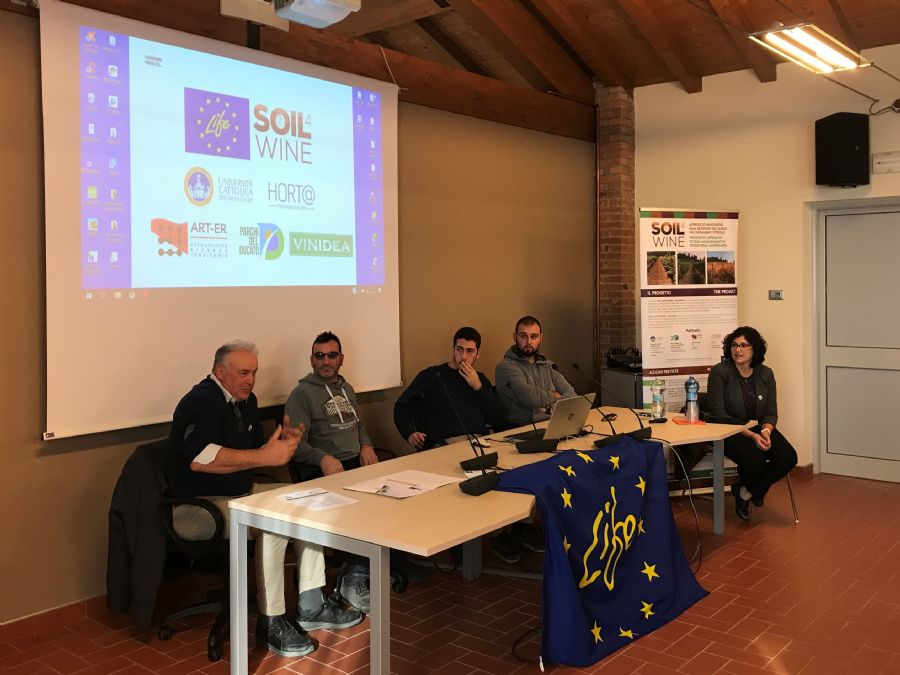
x=318, y=356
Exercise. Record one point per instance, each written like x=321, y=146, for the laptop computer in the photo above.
x=567, y=419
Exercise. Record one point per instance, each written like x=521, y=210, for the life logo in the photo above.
x=216, y=124
x=198, y=186
x=271, y=241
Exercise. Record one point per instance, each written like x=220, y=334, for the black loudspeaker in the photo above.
x=842, y=150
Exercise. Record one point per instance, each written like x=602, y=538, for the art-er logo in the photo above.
x=198, y=186
x=216, y=124
x=175, y=235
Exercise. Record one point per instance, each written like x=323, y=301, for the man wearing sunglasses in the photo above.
x=335, y=439
x=325, y=403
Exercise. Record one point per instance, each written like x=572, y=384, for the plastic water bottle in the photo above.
x=691, y=407
x=658, y=406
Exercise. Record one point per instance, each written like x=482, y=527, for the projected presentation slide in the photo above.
x=201, y=171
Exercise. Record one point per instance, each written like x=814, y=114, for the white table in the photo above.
x=422, y=525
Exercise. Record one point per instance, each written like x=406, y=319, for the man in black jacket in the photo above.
x=424, y=414
x=216, y=443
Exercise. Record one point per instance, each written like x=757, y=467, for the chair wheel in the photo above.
x=165, y=633
x=214, y=653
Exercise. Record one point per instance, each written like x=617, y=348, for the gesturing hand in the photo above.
x=281, y=445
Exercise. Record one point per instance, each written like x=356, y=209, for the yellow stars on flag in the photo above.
x=587, y=458
x=641, y=527
x=647, y=609
x=596, y=631
x=566, y=544
x=614, y=460
x=641, y=484
x=567, y=498
x=568, y=470
x=626, y=633
x=650, y=571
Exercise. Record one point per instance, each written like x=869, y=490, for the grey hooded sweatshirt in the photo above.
x=328, y=411
x=524, y=388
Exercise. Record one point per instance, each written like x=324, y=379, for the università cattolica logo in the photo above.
x=198, y=186
x=216, y=124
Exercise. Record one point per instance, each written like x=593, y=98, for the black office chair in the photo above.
x=206, y=555
x=141, y=535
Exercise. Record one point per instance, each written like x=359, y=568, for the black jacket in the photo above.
x=724, y=397
x=137, y=539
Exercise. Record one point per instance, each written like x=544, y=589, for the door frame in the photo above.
x=817, y=212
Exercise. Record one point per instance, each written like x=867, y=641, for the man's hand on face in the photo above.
x=470, y=375
x=367, y=455
x=330, y=465
x=417, y=440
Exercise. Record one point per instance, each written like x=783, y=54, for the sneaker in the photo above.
x=506, y=548
x=282, y=637
x=355, y=590
x=529, y=536
x=329, y=615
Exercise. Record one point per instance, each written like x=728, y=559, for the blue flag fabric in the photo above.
x=614, y=565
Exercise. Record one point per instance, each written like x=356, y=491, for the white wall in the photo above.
x=747, y=146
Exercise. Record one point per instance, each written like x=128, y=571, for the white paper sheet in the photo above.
x=317, y=499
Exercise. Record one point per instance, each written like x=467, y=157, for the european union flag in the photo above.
x=614, y=566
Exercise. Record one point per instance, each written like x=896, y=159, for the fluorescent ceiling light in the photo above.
x=810, y=47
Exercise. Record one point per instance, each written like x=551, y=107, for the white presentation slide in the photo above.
x=198, y=192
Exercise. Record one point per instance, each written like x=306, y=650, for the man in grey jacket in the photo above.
x=325, y=403
x=528, y=384
x=335, y=439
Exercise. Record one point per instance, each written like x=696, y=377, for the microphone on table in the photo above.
x=641, y=434
x=486, y=482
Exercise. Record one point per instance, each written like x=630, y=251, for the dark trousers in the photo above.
x=758, y=469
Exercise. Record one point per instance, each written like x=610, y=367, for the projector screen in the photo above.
x=198, y=192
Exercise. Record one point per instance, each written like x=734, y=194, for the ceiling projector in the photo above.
x=315, y=13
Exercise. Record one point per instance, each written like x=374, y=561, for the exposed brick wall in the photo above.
x=616, y=294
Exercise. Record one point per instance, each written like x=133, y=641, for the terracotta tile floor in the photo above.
x=818, y=598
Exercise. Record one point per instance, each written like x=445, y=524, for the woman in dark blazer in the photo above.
x=742, y=387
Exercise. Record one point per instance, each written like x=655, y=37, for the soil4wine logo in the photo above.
x=282, y=134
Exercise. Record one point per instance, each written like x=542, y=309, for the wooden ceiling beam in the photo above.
x=523, y=42
x=574, y=31
x=436, y=35
x=645, y=20
x=733, y=14
x=381, y=14
x=829, y=16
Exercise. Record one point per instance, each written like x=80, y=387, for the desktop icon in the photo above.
x=113, y=101
x=112, y=70
x=112, y=40
x=92, y=256
x=92, y=192
x=91, y=97
x=113, y=256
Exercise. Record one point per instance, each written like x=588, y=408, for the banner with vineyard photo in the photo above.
x=688, y=262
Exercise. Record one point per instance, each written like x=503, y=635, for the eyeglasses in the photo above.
x=318, y=356
x=741, y=345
